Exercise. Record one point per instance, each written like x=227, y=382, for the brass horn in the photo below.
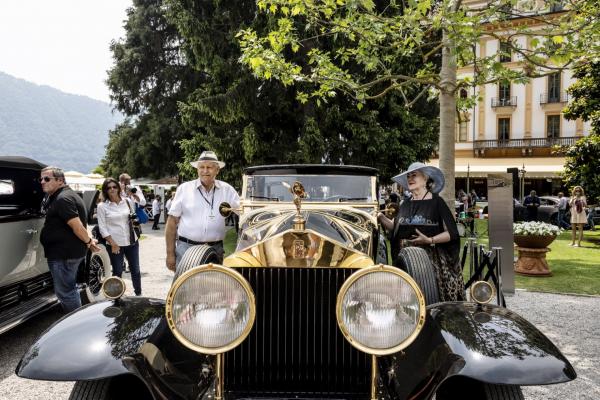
x=391, y=210
x=225, y=209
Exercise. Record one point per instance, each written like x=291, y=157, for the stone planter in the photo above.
x=533, y=242
x=532, y=255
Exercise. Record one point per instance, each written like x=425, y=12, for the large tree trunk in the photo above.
x=447, y=119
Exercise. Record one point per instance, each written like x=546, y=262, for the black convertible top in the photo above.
x=20, y=162
x=310, y=169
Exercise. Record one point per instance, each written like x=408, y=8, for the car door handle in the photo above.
x=31, y=231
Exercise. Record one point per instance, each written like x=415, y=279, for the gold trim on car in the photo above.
x=374, y=269
x=197, y=270
x=490, y=288
x=107, y=281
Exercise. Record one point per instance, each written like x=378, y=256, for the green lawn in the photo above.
x=574, y=269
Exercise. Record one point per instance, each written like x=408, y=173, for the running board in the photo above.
x=20, y=313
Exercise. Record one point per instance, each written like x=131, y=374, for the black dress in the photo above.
x=435, y=217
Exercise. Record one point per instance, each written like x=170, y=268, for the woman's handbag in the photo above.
x=135, y=230
x=142, y=216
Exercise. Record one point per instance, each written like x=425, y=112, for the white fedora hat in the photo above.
x=208, y=156
x=434, y=173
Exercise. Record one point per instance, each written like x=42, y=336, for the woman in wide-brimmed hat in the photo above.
x=425, y=221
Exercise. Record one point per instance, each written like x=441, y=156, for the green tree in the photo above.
x=375, y=36
x=582, y=162
x=249, y=121
x=149, y=77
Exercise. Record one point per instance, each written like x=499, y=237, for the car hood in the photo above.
x=331, y=237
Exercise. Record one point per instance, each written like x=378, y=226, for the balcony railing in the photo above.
x=545, y=98
x=524, y=143
x=504, y=101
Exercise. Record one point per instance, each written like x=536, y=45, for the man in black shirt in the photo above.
x=64, y=236
x=532, y=203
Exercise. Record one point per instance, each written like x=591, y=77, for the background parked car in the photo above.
x=25, y=281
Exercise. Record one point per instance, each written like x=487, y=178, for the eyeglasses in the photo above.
x=112, y=187
x=46, y=178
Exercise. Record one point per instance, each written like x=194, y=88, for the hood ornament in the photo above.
x=299, y=193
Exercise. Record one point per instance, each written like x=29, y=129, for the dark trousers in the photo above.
x=561, y=219
x=156, y=219
x=132, y=253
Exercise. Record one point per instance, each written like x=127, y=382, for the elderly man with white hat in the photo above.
x=194, y=213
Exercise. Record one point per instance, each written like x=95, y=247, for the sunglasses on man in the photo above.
x=46, y=178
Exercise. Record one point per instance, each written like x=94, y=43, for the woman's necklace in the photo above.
x=414, y=206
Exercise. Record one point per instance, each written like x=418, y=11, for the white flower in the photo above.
x=535, y=229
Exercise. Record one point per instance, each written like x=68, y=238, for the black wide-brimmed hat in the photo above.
x=436, y=175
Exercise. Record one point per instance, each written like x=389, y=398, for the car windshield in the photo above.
x=330, y=188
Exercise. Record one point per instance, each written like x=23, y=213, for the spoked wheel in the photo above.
x=98, y=269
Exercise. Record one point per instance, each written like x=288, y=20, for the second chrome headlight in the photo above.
x=380, y=310
x=211, y=309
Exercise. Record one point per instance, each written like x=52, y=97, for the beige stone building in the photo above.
x=515, y=125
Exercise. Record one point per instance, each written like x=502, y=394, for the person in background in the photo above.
x=578, y=204
x=114, y=220
x=133, y=192
x=531, y=204
x=194, y=216
x=563, y=205
x=64, y=236
x=474, y=197
x=168, y=203
x=156, y=207
x=426, y=207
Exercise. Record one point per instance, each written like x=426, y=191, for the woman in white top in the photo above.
x=114, y=215
x=578, y=204
x=156, y=208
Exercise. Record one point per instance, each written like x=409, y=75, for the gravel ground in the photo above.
x=571, y=322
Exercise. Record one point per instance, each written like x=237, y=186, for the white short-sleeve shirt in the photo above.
x=198, y=210
x=113, y=221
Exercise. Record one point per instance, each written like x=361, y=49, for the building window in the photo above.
x=503, y=128
x=463, y=131
x=554, y=88
x=553, y=126
x=504, y=93
x=505, y=52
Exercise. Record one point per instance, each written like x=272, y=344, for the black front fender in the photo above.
x=91, y=342
x=487, y=343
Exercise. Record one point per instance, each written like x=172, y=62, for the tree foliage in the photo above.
x=149, y=77
x=372, y=37
x=583, y=161
x=248, y=121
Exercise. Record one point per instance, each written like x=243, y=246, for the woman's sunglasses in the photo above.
x=46, y=178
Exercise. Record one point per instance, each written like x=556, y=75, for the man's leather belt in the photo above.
x=190, y=241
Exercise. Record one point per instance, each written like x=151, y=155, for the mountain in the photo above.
x=53, y=127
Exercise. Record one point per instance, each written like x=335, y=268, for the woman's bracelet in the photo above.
x=88, y=242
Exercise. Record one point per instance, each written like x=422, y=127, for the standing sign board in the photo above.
x=500, y=214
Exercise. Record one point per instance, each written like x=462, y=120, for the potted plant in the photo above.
x=534, y=234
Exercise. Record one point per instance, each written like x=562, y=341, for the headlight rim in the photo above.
x=486, y=283
x=107, y=279
x=374, y=269
x=200, y=269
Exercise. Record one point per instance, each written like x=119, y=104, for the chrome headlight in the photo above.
x=113, y=287
x=210, y=309
x=380, y=310
x=482, y=292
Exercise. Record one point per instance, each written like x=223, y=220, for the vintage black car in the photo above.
x=306, y=307
x=25, y=281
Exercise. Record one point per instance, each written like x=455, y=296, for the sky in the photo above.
x=61, y=43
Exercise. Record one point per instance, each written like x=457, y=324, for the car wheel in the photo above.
x=195, y=256
x=415, y=261
x=98, y=268
x=91, y=390
x=456, y=388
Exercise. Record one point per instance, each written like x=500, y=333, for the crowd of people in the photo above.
x=192, y=216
